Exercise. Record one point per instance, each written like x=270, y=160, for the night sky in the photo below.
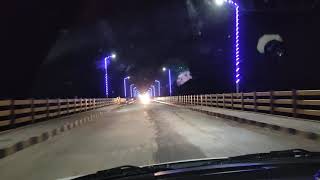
x=56, y=49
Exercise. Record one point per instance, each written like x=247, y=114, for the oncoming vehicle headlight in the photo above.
x=144, y=98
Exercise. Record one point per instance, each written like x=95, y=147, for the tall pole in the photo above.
x=124, y=85
x=106, y=72
x=151, y=91
x=170, y=90
x=237, y=49
x=135, y=92
x=106, y=76
x=131, y=85
x=158, y=87
x=154, y=90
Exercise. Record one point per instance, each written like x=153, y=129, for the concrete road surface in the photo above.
x=140, y=135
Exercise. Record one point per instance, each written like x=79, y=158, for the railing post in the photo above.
x=94, y=103
x=201, y=100
x=271, y=103
x=186, y=99
x=80, y=104
x=242, y=104
x=217, y=105
x=255, y=101
x=12, y=113
x=75, y=105
x=32, y=110
x=224, y=104
x=68, y=111
x=59, y=107
x=86, y=103
x=47, y=108
x=294, y=102
x=231, y=100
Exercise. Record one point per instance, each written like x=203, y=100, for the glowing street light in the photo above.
x=169, y=76
x=106, y=72
x=158, y=87
x=154, y=90
x=124, y=85
x=131, y=88
x=151, y=92
x=135, y=92
x=219, y=2
x=237, y=44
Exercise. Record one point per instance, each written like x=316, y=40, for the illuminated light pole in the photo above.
x=158, y=87
x=169, y=74
x=151, y=91
x=124, y=86
x=154, y=90
x=131, y=88
x=106, y=72
x=135, y=92
x=237, y=43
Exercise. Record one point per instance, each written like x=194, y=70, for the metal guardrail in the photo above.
x=16, y=112
x=294, y=103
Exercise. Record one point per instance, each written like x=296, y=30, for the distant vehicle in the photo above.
x=288, y=164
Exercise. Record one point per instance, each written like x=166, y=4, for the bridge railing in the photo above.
x=296, y=103
x=18, y=112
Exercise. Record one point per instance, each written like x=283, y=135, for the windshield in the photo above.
x=91, y=85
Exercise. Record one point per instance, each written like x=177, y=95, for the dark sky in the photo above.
x=56, y=48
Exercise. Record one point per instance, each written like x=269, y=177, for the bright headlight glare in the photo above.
x=144, y=98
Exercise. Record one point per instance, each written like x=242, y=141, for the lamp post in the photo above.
x=124, y=86
x=135, y=92
x=151, y=92
x=106, y=72
x=158, y=87
x=154, y=90
x=237, y=43
x=131, y=88
x=169, y=76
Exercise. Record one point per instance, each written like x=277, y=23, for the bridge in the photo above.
x=68, y=137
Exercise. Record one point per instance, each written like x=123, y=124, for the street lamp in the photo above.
x=151, y=91
x=154, y=90
x=131, y=88
x=124, y=85
x=135, y=92
x=106, y=71
x=237, y=44
x=169, y=76
x=158, y=87
x=219, y=2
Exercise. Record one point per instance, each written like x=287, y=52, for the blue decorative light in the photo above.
x=124, y=85
x=131, y=88
x=106, y=72
x=169, y=73
x=154, y=90
x=237, y=41
x=158, y=87
x=106, y=76
x=170, y=82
